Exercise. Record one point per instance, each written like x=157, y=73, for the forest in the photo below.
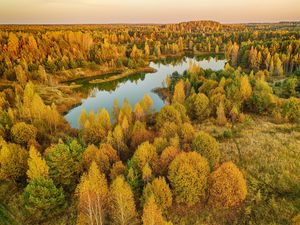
x=224, y=149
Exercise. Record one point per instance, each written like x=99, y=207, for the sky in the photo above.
x=146, y=11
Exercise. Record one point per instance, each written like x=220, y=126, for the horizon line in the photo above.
x=151, y=23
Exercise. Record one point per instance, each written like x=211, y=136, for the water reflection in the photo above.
x=135, y=86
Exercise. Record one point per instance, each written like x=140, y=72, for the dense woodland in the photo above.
x=223, y=150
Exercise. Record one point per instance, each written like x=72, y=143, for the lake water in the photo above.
x=134, y=87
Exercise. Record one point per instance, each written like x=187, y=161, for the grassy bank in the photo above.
x=123, y=74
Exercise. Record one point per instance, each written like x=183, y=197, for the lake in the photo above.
x=134, y=87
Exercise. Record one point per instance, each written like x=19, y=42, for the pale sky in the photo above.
x=146, y=11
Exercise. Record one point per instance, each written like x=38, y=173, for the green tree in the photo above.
x=64, y=165
x=42, y=199
x=291, y=110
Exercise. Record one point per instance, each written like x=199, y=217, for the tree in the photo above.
x=152, y=214
x=168, y=114
x=227, y=186
x=22, y=133
x=37, y=166
x=234, y=54
x=21, y=76
x=123, y=211
x=221, y=117
x=188, y=174
x=117, y=169
x=146, y=103
x=198, y=106
x=83, y=118
x=116, y=110
x=166, y=157
x=92, y=192
x=135, y=53
x=42, y=199
x=104, y=157
x=146, y=173
x=245, y=88
x=145, y=153
x=96, y=127
x=64, y=167
x=161, y=192
x=13, y=161
x=147, y=49
x=117, y=140
x=179, y=92
x=262, y=99
x=291, y=110
x=139, y=134
x=13, y=44
x=186, y=134
x=169, y=130
x=208, y=147
x=138, y=111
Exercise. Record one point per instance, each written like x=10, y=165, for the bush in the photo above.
x=208, y=147
x=227, y=186
x=188, y=174
x=22, y=132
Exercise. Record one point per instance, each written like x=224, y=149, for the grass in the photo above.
x=125, y=73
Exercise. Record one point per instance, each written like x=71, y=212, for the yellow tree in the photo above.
x=145, y=153
x=83, y=118
x=138, y=111
x=221, y=117
x=147, y=49
x=179, y=93
x=245, y=88
x=161, y=192
x=208, y=147
x=146, y=103
x=152, y=214
x=13, y=161
x=227, y=186
x=37, y=166
x=188, y=174
x=92, y=192
x=123, y=211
